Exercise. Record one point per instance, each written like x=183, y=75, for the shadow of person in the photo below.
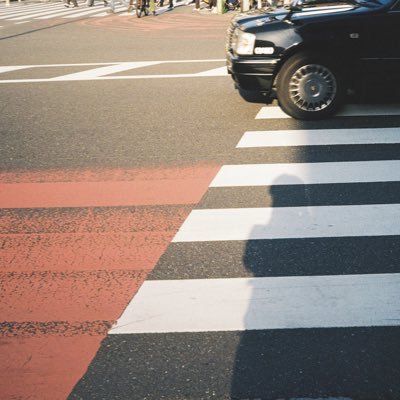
x=274, y=258
x=276, y=357
x=259, y=370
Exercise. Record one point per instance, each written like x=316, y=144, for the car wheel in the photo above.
x=309, y=87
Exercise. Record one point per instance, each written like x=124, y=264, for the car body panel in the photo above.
x=360, y=37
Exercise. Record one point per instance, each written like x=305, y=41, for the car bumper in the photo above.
x=252, y=74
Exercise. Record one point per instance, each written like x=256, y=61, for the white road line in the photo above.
x=290, y=222
x=263, y=303
x=105, y=14
x=26, y=13
x=120, y=12
x=81, y=14
x=110, y=69
x=111, y=66
x=307, y=173
x=271, y=112
x=319, y=137
x=347, y=111
x=13, y=68
x=56, y=65
x=39, y=14
x=73, y=12
x=22, y=11
x=104, y=78
x=116, y=62
x=28, y=10
x=221, y=71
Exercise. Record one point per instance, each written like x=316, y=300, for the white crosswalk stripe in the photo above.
x=320, y=137
x=56, y=10
x=360, y=110
x=61, y=12
x=74, y=13
x=243, y=224
x=281, y=323
x=30, y=11
x=204, y=305
x=97, y=12
x=27, y=8
x=290, y=222
x=20, y=13
x=307, y=173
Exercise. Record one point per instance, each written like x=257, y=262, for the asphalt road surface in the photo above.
x=161, y=238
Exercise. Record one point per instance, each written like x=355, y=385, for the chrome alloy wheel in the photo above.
x=312, y=87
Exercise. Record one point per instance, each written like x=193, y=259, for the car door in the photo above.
x=379, y=33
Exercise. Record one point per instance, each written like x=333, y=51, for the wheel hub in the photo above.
x=312, y=87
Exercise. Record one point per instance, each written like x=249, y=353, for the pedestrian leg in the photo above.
x=112, y=6
x=152, y=7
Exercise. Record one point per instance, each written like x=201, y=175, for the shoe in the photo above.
x=105, y=3
x=130, y=9
x=66, y=5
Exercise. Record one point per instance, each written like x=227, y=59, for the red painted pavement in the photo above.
x=75, y=246
x=149, y=190
x=43, y=368
x=100, y=194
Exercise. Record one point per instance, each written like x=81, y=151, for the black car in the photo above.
x=312, y=53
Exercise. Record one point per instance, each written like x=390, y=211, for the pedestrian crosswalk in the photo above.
x=354, y=110
x=287, y=303
x=20, y=12
x=280, y=302
x=319, y=137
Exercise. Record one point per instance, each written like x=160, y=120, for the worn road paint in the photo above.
x=67, y=273
x=101, y=194
x=87, y=239
x=66, y=296
x=44, y=368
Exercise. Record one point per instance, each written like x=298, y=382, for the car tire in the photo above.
x=309, y=87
